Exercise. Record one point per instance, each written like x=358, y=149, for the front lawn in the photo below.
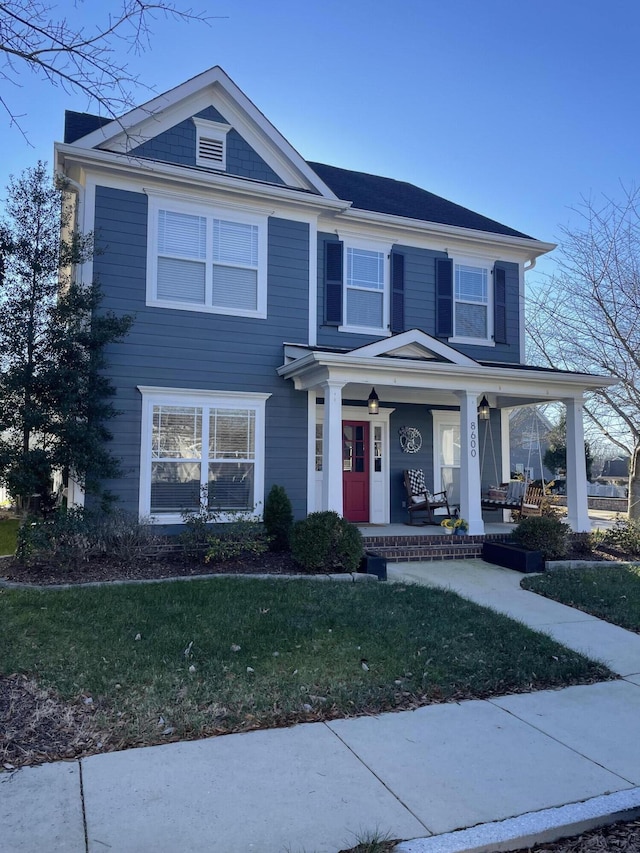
x=8, y=532
x=166, y=661
x=608, y=591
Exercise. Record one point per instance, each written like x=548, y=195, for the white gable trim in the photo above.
x=212, y=86
x=414, y=337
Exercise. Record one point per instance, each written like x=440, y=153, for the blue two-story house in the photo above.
x=299, y=323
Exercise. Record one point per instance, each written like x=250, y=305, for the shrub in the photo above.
x=236, y=539
x=197, y=530
x=126, y=537
x=278, y=518
x=69, y=537
x=66, y=538
x=324, y=541
x=545, y=533
x=624, y=536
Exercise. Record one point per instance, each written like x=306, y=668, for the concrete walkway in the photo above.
x=513, y=768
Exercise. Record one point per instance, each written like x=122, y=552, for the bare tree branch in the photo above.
x=587, y=317
x=68, y=55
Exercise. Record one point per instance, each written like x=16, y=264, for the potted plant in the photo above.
x=458, y=526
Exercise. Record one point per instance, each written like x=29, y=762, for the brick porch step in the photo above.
x=406, y=549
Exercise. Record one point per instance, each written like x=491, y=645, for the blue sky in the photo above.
x=515, y=110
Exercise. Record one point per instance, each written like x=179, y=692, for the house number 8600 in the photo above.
x=472, y=439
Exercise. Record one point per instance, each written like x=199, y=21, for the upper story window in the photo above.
x=471, y=317
x=365, y=290
x=205, y=259
x=472, y=302
x=211, y=143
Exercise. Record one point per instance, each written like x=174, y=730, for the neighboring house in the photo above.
x=529, y=430
x=616, y=468
x=272, y=295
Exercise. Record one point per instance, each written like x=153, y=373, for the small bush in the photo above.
x=197, y=530
x=324, y=541
x=624, y=536
x=126, y=537
x=70, y=537
x=546, y=533
x=245, y=537
x=278, y=518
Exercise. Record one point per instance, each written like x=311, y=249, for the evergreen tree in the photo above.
x=54, y=396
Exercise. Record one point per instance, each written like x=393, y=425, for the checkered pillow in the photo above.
x=417, y=483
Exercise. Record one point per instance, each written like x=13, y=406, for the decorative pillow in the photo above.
x=515, y=490
x=420, y=499
x=497, y=494
x=417, y=482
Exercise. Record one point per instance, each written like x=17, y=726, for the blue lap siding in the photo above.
x=188, y=349
x=178, y=145
x=420, y=305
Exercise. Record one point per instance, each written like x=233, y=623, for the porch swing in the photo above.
x=517, y=495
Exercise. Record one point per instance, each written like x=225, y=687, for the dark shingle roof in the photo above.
x=398, y=198
x=77, y=125
x=366, y=192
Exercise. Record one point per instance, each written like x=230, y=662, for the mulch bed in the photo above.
x=167, y=566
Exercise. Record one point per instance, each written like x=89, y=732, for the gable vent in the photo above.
x=211, y=143
x=211, y=150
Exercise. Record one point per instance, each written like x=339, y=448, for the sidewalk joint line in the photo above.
x=562, y=743
x=382, y=782
x=84, y=813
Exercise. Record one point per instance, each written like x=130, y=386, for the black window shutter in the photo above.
x=397, y=292
x=444, y=297
x=499, y=305
x=333, y=283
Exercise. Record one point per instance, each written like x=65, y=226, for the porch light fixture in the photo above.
x=373, y=402
x=484, y=409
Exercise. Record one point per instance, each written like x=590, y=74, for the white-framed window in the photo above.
x=211, y=143
x=201, y=447
x=201, y=258
x=472, y=302
x=366, y=288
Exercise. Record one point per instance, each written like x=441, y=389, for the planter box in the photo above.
x=371, y=564
x=513, y=556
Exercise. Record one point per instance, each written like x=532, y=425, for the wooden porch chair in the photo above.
x=420, y=499
x=532, y=503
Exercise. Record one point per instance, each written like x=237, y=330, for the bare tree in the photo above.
x=587, y=318
x=60, y=51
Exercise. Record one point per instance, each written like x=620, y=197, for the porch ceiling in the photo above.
x=436, y=382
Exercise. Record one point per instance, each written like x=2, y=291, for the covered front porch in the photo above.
x=356, y=451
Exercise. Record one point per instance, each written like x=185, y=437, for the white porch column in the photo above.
x=505, y=443
x=332, y=446
x=577, y=501
x=470, y=507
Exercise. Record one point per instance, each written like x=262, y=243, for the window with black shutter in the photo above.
x=397, y=292
x=333, y=266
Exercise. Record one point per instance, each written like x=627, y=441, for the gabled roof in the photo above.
x=399, y=198
x=211, y=88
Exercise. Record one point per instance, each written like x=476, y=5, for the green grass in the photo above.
x=610, y=592
x=8, y=532
x=228, y=654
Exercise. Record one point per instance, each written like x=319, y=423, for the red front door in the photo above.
x=355, y=470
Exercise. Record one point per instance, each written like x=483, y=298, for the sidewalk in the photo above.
x=315, y=788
